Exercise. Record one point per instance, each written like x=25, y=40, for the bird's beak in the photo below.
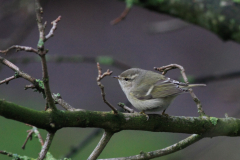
x=115, y=77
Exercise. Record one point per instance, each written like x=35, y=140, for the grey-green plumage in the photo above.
x=151, y=91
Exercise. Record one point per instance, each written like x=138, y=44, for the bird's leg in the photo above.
x=143, y=112
x=164, y=114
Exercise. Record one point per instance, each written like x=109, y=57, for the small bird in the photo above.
x=151, y=91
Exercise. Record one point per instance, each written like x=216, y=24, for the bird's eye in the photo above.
x=126, y=79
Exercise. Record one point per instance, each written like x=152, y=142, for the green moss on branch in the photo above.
x=54, y=120
x=219, y=16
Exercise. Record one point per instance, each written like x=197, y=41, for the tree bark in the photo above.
x=52, y=121
x=219, y=16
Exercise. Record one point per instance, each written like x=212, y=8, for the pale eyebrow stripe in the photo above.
x=133, y=76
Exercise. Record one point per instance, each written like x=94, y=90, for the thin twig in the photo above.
x=35, y=130
x=57, y=98
x=19, y=48
x=29, y=86
x=42, y=53
x=121, y=17
x=162, y=152
x=45, y=77
x=165, y=69
x=39, y=12
x=29, y=136
x=198, y=103
x=126, y=108
x=7, y=80
x=16, y=156
x=6, y=153
x=46, y=146
x=101, y=145
x=54, y=27
x=19, y=73
x=39, y=135
x=17, y=70
x=100, y=75
x=75, y=150
x=9, y=64
x=99, y=78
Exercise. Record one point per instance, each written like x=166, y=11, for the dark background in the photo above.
x=85, y=30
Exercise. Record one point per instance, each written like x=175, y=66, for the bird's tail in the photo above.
x=196, y=85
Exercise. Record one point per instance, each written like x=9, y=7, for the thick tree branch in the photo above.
x=101, y=145
x=52, y=121
x=217, y=16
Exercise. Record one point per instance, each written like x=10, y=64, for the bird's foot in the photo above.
x=164, y=114
x=142, y=112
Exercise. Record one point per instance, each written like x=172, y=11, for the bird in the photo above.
x=149, y=91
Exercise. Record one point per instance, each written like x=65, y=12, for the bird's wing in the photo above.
x=168, y=87
x=162, y=88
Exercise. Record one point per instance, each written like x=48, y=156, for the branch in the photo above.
x=99, y=78
x=19, y=73
x=106, y=60
x=53, y=121
x=121, y=17
x=15, y=156
x=57, y=97
x=19, y=48
x=92, y=135
x=54, y=27
x=162, y=152
x=46, y=146
x=101, y=145
x=223, y=20
x=35, y=130
x=198, y=103
x=7, y=80
x=17, y=70
x=29, y=136
x=129, y=4
x=41, y=27
x=42, y=53
x=165, y=69
x=126, y=108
